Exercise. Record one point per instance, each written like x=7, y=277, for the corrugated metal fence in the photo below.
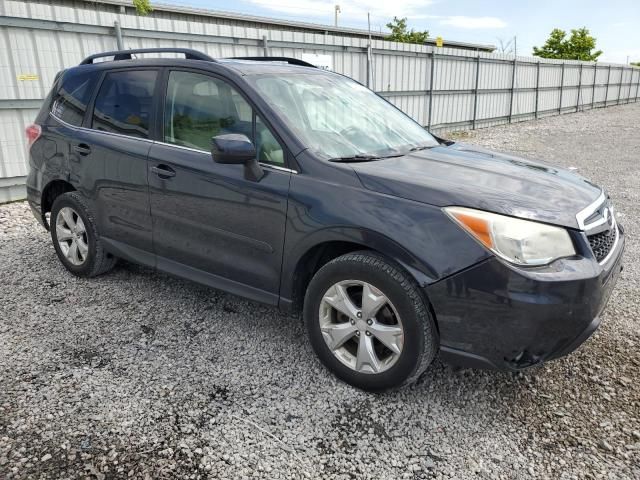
x=442, y=88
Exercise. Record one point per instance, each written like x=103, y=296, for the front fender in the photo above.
x=418, y=236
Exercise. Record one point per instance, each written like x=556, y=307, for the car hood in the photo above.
x=470, y=176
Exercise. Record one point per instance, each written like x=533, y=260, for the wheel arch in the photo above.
x=303, y=262
x=50, y=192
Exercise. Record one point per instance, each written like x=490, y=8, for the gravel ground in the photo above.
x=137, y=374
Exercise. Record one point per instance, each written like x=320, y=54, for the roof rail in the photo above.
x=289, y=60
x=189, y=54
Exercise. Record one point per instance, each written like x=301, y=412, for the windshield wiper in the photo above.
x=423, y=147
x=364, y=158
x=355, y=158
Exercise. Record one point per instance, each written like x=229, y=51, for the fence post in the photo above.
x=118, y=30
x=265, y=45
x=630, y=83
x=620, y=85
x=579, y=89
x=433, y=68
x=475, y=93
x=537, y=87
x=606, y=93
x=593, y=91
x=561, y=90
x=513, y=86
x=369, y=67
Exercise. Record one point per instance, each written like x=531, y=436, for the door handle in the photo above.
x=82, y=149
x=163, y=171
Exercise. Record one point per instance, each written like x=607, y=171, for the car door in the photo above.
x=211, y=223
x=109, y=160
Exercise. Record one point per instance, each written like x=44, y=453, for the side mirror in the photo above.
x=237, y=149
x=232, y=148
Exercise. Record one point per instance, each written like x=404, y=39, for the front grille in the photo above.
x=602, y=243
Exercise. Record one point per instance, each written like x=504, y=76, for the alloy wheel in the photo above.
x=71, y=235
x=361, y=326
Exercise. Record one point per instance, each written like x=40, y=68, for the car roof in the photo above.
x=195, y=59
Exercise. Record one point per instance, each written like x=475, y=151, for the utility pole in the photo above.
x=336, y=12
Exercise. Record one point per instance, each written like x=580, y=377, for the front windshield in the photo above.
x=338, y=118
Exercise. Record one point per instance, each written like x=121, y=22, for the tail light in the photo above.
x=33, y=132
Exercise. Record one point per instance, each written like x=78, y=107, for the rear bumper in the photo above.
x=34, y=195
x=496, y=316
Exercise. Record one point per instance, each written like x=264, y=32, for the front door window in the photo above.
x=199, y=107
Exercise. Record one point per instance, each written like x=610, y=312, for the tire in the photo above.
x=409, y=353
x=91, y=259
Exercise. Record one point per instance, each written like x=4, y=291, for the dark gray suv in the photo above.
x=298, y=187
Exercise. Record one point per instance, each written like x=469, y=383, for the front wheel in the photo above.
x=368, y=322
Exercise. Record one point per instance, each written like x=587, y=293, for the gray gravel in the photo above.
x=136, y=374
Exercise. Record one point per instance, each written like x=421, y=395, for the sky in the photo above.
x=614, y=23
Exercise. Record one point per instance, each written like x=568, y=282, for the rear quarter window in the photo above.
x=73, y=95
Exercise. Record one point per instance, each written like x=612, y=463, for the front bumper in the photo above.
x=497, y=316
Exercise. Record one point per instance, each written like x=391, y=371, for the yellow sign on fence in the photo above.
x=28, y=77
x=439, y=42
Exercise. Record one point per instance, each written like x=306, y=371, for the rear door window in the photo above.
x=71, y=100
x=124, y=103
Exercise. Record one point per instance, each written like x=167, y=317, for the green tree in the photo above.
x=400, y=33
x=579, y=46
x=143, y=7
x=635, y=64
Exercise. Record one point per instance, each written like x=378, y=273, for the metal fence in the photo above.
x=442, y=88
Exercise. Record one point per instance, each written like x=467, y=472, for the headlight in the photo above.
x=522, y=242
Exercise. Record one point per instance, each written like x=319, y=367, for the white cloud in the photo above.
x=619, y=24
x=349, y=9
x=382, y=11
x=473, y=22
x=619, y=56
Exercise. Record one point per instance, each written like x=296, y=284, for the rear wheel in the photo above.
x=75, y=237
x=368, y=322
